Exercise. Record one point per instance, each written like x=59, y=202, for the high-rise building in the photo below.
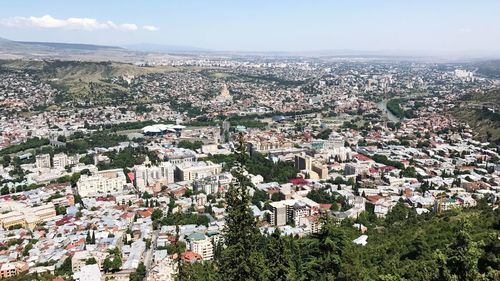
x=147, y=176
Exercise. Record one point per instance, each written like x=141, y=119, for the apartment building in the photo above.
x=147, y=176
x=101, y=183
x=196, y=170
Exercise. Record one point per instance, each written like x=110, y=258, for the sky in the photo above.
x=442, y=26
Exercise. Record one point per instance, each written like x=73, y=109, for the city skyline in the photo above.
x=424, y=28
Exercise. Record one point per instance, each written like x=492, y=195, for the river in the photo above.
x=382, y=105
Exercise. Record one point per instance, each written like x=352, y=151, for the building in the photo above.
x=196, y=170
x=101, y=183
x=42, y=161
x=315, y=170
x=88, y=273
x=147, y=176
x=199, y=243
x=60, y=161
x=12, y=269
x=303, y=162
x=292, y=211
x=179, y=155
x=278, y=216
x=213, y=184
x=28, y=216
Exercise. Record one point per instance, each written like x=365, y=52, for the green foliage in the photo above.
x=449, y=246
x=28, y=144
x=241, y=234
x=157, y=214
x=321, y=196
x=409, y=172
x=181, y=218
x=384, y=160
x=139, y=274
x=128, y=157
x=258, y=164
x=65, y=268
x=394, y=107
x=259, y=196
x=190, y=145
x=100, y=139
x=324, y=135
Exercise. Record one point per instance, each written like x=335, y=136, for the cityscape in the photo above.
x=247, y=160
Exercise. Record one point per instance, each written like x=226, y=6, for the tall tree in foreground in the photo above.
x=241, y=260
x=464, y=255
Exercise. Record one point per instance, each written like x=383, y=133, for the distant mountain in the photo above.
x=165, y=48
x=68, y=46
x=64, y=51
x=20, y=46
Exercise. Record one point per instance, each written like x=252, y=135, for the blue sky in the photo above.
x=257, y=25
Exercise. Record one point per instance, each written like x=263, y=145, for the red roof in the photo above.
x=373, y=198
x=298, y=181
x=325, y=206
x=146, y=213
x=109, y=198
x=131, y=176
x=191, y=256
x=361, y=157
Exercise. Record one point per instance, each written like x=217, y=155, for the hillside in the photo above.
x=489, y=68
x=96, y=82
x=481, y=112
x=66, y=51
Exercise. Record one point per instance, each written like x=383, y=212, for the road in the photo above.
x=148, y=258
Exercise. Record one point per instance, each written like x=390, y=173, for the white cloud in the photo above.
x=465, y=30
x=88, y=24
x=150, y=28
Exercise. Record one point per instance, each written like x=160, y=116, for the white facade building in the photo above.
x=147, y=176
x=101, y=183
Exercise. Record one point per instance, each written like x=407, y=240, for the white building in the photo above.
x=101, y=183
x=60, y=161
x=148, y=176
x=189, y=171
x=88, y=273
x=42, y=161
x=201, y=244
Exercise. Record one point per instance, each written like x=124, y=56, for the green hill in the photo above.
x=96, y=82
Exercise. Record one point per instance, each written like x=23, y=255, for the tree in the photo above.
x=241, y=260
x=107, y=265
x=464, y=255
x=397, y=213
x=90, y=261
x=6, y=160
x=157, y=214
x=88, y=239
x=5, y=190
x=279, y=258
x=116, y=263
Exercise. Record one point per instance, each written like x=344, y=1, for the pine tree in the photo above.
x=93, y=237
x=279, y=258
x=241, y=260
x=88, y=239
